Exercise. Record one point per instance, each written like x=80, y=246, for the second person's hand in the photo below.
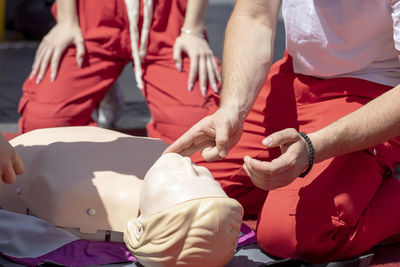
x=202, y=61
x=53, y=46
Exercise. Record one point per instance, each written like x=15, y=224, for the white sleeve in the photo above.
x=396, y=23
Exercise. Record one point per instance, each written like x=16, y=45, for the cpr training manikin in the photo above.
x=101, y=185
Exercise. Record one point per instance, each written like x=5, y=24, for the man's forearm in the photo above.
x=66, y=11
x=376, y=122
x=195, y=15
x=247, y=55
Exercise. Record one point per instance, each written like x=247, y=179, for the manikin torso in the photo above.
x=88, y=180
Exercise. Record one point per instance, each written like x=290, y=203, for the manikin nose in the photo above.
x=188, y=165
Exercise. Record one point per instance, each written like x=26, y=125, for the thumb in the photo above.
x=279, y=138
x=177, y=55
x=18, y=165
x=80, y=52
x=222, y=140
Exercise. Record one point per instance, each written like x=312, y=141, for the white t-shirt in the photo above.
x=344, y=38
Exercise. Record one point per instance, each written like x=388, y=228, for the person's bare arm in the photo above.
x=248, y=52
x=195, y=15
x=247, y=56
x=53, y=45
x=376, y=122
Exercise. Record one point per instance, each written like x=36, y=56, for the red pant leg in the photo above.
x=342, y=209
x=339, y=209
x=173, y=108
x=71, y=99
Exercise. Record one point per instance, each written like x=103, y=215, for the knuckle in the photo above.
x=292, y=163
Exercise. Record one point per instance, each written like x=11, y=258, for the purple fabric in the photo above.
x=248, y=236
x=83, y=252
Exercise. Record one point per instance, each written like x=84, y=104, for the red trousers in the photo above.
x=346, y=204
x=71, y=99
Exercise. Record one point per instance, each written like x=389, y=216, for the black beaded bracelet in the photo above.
x=311, y=154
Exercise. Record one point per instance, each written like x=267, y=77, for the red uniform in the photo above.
x=346, y=204
x=76, y=92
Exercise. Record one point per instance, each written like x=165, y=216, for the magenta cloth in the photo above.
x=84, y=252
x=248, y=236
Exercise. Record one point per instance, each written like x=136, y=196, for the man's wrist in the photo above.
x=310, y=154
x=234, y=110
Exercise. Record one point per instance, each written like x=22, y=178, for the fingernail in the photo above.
x=267, y=141
x=222, y=153
x=39, y=78
x=31, y=75
x=52, y=77
x=80, y=62
x=219, y=78
x=190, y=86
x=178, y=67
x=246, y=169
x=214, y=87
x=203, y=90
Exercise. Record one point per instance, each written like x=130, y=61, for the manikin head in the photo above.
x=185, y=217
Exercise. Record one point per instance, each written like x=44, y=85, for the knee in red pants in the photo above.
x=36, y=115
x=333, y=214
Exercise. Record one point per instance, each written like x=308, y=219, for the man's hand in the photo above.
x=214, y=135
x=10, y=162
x=284, y=169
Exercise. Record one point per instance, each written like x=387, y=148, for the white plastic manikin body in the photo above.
x=84, y=179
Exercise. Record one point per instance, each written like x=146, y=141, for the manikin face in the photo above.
x=174, y=179
x=186, y=218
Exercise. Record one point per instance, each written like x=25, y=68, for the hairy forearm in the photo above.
x=195, y=15
x=247, y=56
x=376, y=122
x=66, y=11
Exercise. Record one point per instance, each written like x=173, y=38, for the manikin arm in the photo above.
x=64, y=33
x=191, y=41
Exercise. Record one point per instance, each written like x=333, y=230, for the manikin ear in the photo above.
x=136, y=227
